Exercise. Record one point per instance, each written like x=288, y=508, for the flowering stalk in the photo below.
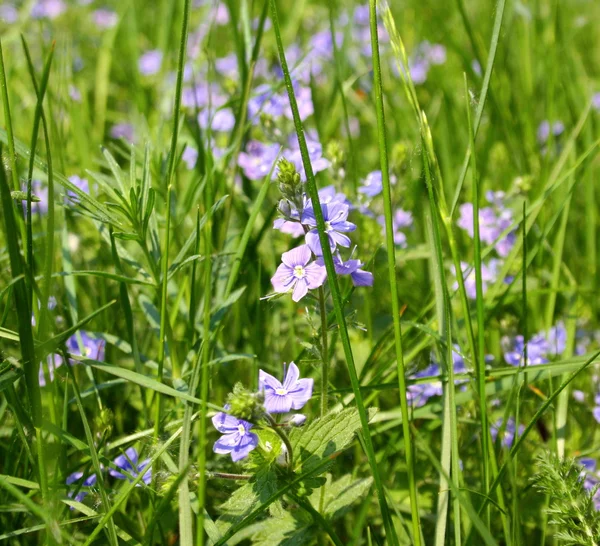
x=324, y=353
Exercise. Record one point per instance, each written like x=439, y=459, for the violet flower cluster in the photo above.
x=541, y=348
x=591, y=478
x=81, y=344
x=494, y=221
x=127, y=466
x=303, y=268
x=419, y=393
x=274, y=397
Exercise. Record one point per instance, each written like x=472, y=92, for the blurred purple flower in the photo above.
x=54, y=361
x=227, y=66
x=335, y=215
x=489, y=274
x=221, y=120
x=130, y=469
x=123, y=130
x=372, y=185
x=258, y=159
x=540, y=348
x=315, y=153
x=80, y=183
x=296, y=273
x=40, y=191
x=90, y=481
x=8, y=13
x=49, y=9
x=74, y=93
x=401, y=219
x=105, y=18
x=237, y=440
x=508, y=435
x=351, y=267
x=150, y=62
x=91, y=347
x=596, y=101
x=544, y=129
x=190, y=157
x=294, y=393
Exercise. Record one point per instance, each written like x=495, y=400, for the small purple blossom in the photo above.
x=237, y=440
x=373, y=185
x=150, y=62
x=88, y=482
x=258, y=159
x=297, y=274
x=401, y=219
x=540, y=348
x=596, y=101
x=48, y=9
x=294, y=229
x=80, y=183
x=545, y=128
x=351, y=267
x=8, y=13
x=129, y=467
x=123, y=130
x=221, y=120
x=88, y=347
x=54, y=361
x=335, y=215
x=489, y=274
x=40, y=191
x=508, y=435
x=315, y=154
x=293, y=393
x=105, y=18
x=190, y=157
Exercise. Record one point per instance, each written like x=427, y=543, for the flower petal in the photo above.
x=246, y=445
x=267, y=382
x=315, y=275
x=283, y=279
x=313, y=242
x=291, y=377
x=300, y=290
x=226, y=443
x=301, y=393
x=276, y=403
x=225, y=423
x=297, y=256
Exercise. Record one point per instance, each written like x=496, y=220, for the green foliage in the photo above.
x=572, y=507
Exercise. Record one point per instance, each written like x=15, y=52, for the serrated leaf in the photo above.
x=325, y=437
x=341, y=494
x=284, y=531
x=243, y=501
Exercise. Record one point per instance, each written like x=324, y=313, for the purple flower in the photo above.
x=128, y=463
x=40, y=191
x=436, y=54
x=335, y=215
x=8, y=13
x=220, y=120
x=353, y=268
x=294, y=393
x=329, y=194
x=74, y=93
x=227, y=66
x=258, y=159
x=237, y=440
x=489, y=274
x=150, y=62
x=508, y=435
x=81, y=183
x=190, y=157
x=296, y=273
x=294, y=229
x=402, y=219
x=596, y=101
x=540, y=348
x=418, y=69
x=544, y=129
x=315, y=154
x=90, y=481
x=105, y=18
x=54, y=361
x=372, y=185
x=123, y=130
x=90, y=347
x=49, y=9
x=596, y=410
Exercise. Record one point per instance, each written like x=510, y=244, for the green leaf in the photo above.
x=287, y=530
x=325, y=437
x=341, y=494
x=262, y=486
x=9, y=374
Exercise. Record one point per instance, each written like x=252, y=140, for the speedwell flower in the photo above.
x=237, y=440
x=335, y=215
x=128, y=463
x=296, y=273
x=292, y=394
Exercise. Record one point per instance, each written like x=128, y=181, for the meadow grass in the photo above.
x=322, y=273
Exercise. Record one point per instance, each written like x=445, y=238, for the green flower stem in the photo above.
x=284, y=439
x=391, y=255
x=324, y=353
x=313, y=193
x=227, y=476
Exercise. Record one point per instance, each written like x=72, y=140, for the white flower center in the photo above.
x=281, y=392
x=299, y=272
x=242, y=429
x=328, y=226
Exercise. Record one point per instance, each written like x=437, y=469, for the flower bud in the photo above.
x=289, y=180
x=245, y=404
x=297, y=420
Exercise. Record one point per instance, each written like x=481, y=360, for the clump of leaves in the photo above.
x=572, y=509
